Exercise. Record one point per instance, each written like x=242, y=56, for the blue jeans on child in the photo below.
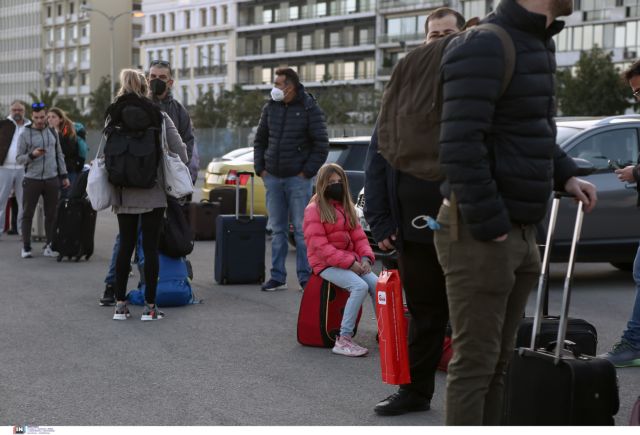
x=632, y=333
x=287, y=198
x=358, y=286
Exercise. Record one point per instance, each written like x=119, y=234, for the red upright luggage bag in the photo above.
x=320, y=313
x=392, y=329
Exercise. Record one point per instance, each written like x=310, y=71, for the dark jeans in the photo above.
x=32, y=190
x=64, y=193
x=425, y=291
x=128, y=225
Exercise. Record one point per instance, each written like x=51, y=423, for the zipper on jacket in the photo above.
x=44, y=156
x=284, y=118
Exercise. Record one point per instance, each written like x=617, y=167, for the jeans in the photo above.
x=111, y=273
x=488, y=284
x=287, y=198
x=358, y=286
x=73, y=176
x=632, y=333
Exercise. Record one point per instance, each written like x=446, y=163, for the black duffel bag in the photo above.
x=176, y=238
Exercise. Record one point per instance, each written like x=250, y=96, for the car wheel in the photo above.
x=627, y=267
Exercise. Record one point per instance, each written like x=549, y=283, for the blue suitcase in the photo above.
x=240, y=244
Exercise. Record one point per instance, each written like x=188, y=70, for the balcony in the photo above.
x=212, y=70
x=385, y=71
x=393, y=5
x=305, y=50
x=312, y=13
x=410, y=37
x=313, y=81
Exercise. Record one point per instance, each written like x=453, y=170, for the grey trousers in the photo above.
x=11, y=180
x=487, y=288
x=32, y=190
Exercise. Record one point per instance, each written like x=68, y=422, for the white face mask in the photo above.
x=277, y=94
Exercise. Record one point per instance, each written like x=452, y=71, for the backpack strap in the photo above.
x=509, y=52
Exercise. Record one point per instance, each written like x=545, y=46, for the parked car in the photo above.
x=348, y=152
x=610, y=233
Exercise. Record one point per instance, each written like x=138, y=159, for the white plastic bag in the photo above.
x=177, y=178
x=100, y=192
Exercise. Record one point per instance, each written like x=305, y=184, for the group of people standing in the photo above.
x=40, y=157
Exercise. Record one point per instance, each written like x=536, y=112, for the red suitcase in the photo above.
x=320, y=313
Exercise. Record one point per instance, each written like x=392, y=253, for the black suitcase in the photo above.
x=75, y=228
x=226, y=197
x=240, y=245
x=556, y=385
x=202, y=218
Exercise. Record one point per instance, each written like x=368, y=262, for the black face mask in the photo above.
x=335, y=191
x=158, y=86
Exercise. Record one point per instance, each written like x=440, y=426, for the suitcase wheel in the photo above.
x=77, y=259
x=59, y=258
x=87, y=257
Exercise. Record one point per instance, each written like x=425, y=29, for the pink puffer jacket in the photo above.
x=333, y=245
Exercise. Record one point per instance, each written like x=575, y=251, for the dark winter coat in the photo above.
x=291, y=138
x=500, y=154
x=72, y=159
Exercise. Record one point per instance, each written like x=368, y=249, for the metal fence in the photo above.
x=214, y=142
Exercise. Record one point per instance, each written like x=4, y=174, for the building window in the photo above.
x=214, y=17
x=203, y=17
x=351, y=6
x=267, y=16
x=334, y=39
x=187, y=19
x=185, y=57
x=154, y=23
x=48, y=11
x=84, y=31
x=150, y=57
x=349, y=70
x=223, y=54
x=225, y=17
x=306, y=42
x=321, y=9
x=170, y=56
x=294, y=12
x=59, y=10
x=200, y=91
x=267, y=76
x=72, y=8
x=280, y=45
x=320, y=73
x=185, y=95
x=84, y=55
x=84, y=79
x=201, y=56
x=172, y=21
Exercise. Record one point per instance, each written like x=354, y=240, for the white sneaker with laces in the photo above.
x=345, y=346
x=48, y=252
x=26, y=254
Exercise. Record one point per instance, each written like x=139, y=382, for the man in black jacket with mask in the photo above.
x=501, y=162
x=290, y=146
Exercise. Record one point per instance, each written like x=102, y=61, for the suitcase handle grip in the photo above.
x=568, y=345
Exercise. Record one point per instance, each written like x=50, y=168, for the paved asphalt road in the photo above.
x=233, y=360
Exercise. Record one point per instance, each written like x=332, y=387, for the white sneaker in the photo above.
x=345, y=346
x=48, y=252
x=26, y=254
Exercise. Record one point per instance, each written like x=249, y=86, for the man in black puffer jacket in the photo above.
x=290, y=146
x=501, y=163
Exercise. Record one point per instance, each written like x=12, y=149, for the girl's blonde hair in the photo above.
x=66, y=126
x=133, y=81
x=327, y=211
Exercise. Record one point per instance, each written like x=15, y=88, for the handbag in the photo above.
x=177, y=178
x=101, y=193
x=176, y=235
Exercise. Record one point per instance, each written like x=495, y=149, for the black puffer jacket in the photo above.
x=291, y=138
x=499, y=154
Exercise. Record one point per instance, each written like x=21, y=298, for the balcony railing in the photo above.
x=311, y=13
x=213, y=70
x=394, y=4
x=385, y=71
x=382, y=39
x=327, y=79
x=307, y=47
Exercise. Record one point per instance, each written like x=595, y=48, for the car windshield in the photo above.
x=566, y=133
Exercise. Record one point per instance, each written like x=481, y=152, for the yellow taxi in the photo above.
x=224, y=171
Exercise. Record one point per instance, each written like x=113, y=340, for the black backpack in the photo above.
x=132, y=150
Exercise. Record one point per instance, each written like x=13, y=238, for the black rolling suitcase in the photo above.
x=557, y=385
x=226, y=196
x=240, y=245
x=202, y=218
x=75, y=229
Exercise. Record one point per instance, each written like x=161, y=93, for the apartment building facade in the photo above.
x=197, y=38
x=77, y=44
x=328, y=42
x=20, y=50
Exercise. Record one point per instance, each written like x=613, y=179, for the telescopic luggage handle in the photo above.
x=544, y=274
x=239, y=175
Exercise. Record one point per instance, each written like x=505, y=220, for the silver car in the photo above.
x=612, y=231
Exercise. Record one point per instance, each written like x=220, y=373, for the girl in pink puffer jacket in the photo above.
x=338, y=249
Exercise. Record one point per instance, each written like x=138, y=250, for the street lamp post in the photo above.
x=112, y=19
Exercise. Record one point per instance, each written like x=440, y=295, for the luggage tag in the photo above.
x=429, y=222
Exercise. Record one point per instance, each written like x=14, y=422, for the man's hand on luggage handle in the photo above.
x=584, y=192
x=388, y=244
x=626, y=174
x=65, y=183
